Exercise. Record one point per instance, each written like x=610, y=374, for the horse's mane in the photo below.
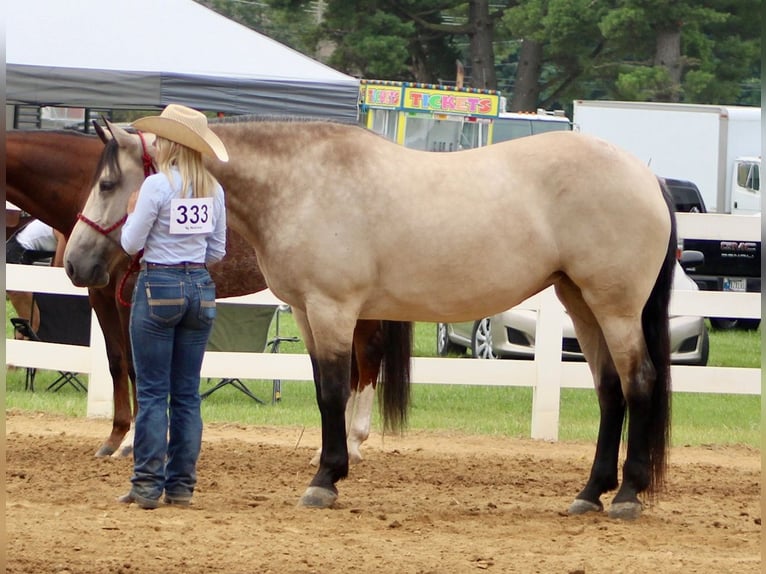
x=108, y=159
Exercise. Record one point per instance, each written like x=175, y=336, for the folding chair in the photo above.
x=273, y=346
x=240, y=329
x=64, y=319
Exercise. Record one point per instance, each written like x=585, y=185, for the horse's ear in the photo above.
x=103, y=136
x=123, y=138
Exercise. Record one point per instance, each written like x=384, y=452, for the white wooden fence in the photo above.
x=547, y=374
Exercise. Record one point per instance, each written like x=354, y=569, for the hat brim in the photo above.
x=207, y=143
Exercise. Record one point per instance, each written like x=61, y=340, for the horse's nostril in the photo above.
x=69, y=268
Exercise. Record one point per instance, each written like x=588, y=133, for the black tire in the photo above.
x=481, y=340
x=704, y=348
x=723, y=324
x=444, y=346
x=748, y=324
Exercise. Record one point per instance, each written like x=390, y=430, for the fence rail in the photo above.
x=547, y=374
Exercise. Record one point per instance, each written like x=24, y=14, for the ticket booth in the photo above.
x=428, y=117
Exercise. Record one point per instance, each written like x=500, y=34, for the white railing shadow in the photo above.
x=546, y=374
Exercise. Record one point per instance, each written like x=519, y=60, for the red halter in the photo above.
x=149, y=169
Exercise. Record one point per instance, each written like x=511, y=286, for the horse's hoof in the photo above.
x=354, y=457
x=315, y=460
x=580, y=506
x=104, y=451
x=318, y=497
x=625, y=510
x=124, y=452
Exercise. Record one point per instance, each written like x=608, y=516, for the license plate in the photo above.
x=734, y=284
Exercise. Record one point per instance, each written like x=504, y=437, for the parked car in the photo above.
x=727, y=265
x=511, y=334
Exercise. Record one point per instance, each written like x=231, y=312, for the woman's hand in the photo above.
x=132, y=201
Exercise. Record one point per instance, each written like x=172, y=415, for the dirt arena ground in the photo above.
x=424, y=503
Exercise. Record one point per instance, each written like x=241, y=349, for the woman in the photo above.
x=178, y=219
x=34, y=242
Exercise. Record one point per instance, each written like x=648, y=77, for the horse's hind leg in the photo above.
x=603, y=474
x=365, y=366
x=368, y=347
x=638, y=378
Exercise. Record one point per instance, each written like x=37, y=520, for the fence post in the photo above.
x=546, y=393
x=100, y=387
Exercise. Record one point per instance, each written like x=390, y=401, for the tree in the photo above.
x=432, y=46
x=559, y=42
x=634, y=50
x=542, y=53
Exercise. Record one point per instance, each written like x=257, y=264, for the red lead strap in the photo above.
x=132, y=268
x=149, y=168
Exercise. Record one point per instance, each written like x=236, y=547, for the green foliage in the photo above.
x=735, y=348
x=642, y=83
x=591, y=50
x=374, y=44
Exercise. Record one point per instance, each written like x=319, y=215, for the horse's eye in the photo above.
x=106, y=185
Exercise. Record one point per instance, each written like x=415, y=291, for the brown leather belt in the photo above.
x=185, y=265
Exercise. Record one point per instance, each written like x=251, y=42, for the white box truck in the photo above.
x=702, y=150
x=716, y=147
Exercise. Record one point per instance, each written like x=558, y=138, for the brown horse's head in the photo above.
x=94, y=245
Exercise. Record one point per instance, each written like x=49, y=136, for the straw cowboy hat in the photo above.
x=185, y=126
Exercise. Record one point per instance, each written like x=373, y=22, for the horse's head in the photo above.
x=94, y=245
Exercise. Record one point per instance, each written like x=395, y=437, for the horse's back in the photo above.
x=481, y=229
x=507, y=219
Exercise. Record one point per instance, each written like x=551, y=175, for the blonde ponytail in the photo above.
x=189, y=164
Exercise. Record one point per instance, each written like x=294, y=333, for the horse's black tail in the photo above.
x=656, y=324
x=395, y=374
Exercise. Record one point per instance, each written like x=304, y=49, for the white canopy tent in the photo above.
x=144, y=54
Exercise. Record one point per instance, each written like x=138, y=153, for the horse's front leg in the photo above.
x=329, y=345
x=126, y=447
x=108, y=317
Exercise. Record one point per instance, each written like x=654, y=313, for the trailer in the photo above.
x=716, y=147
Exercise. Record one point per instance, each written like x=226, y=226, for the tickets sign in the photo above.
x=446, y=102
x=383, y=96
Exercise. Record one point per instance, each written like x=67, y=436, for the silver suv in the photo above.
x=511, y=334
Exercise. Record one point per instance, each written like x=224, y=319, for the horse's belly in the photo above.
x=455, y=296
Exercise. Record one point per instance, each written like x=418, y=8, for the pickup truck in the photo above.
x=727, y=265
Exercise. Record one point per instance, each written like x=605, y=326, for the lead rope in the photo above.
x=135, y=264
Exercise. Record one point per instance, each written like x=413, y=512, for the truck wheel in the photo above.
x=722, y=324
x=727, y=324
x=748, y=324
x=445, y=347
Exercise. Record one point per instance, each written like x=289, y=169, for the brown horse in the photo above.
x=348, y=225
x=49, y=173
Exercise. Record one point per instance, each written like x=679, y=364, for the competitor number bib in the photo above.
x=191, y=215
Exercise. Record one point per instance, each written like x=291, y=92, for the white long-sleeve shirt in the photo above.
x=148, y=227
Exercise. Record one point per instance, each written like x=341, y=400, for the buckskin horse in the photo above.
x=348, y=225
x=49, y=173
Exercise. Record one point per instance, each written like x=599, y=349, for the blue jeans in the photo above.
x=170, y=322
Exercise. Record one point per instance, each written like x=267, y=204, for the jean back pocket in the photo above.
x=166, y=301
x=207, y=302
